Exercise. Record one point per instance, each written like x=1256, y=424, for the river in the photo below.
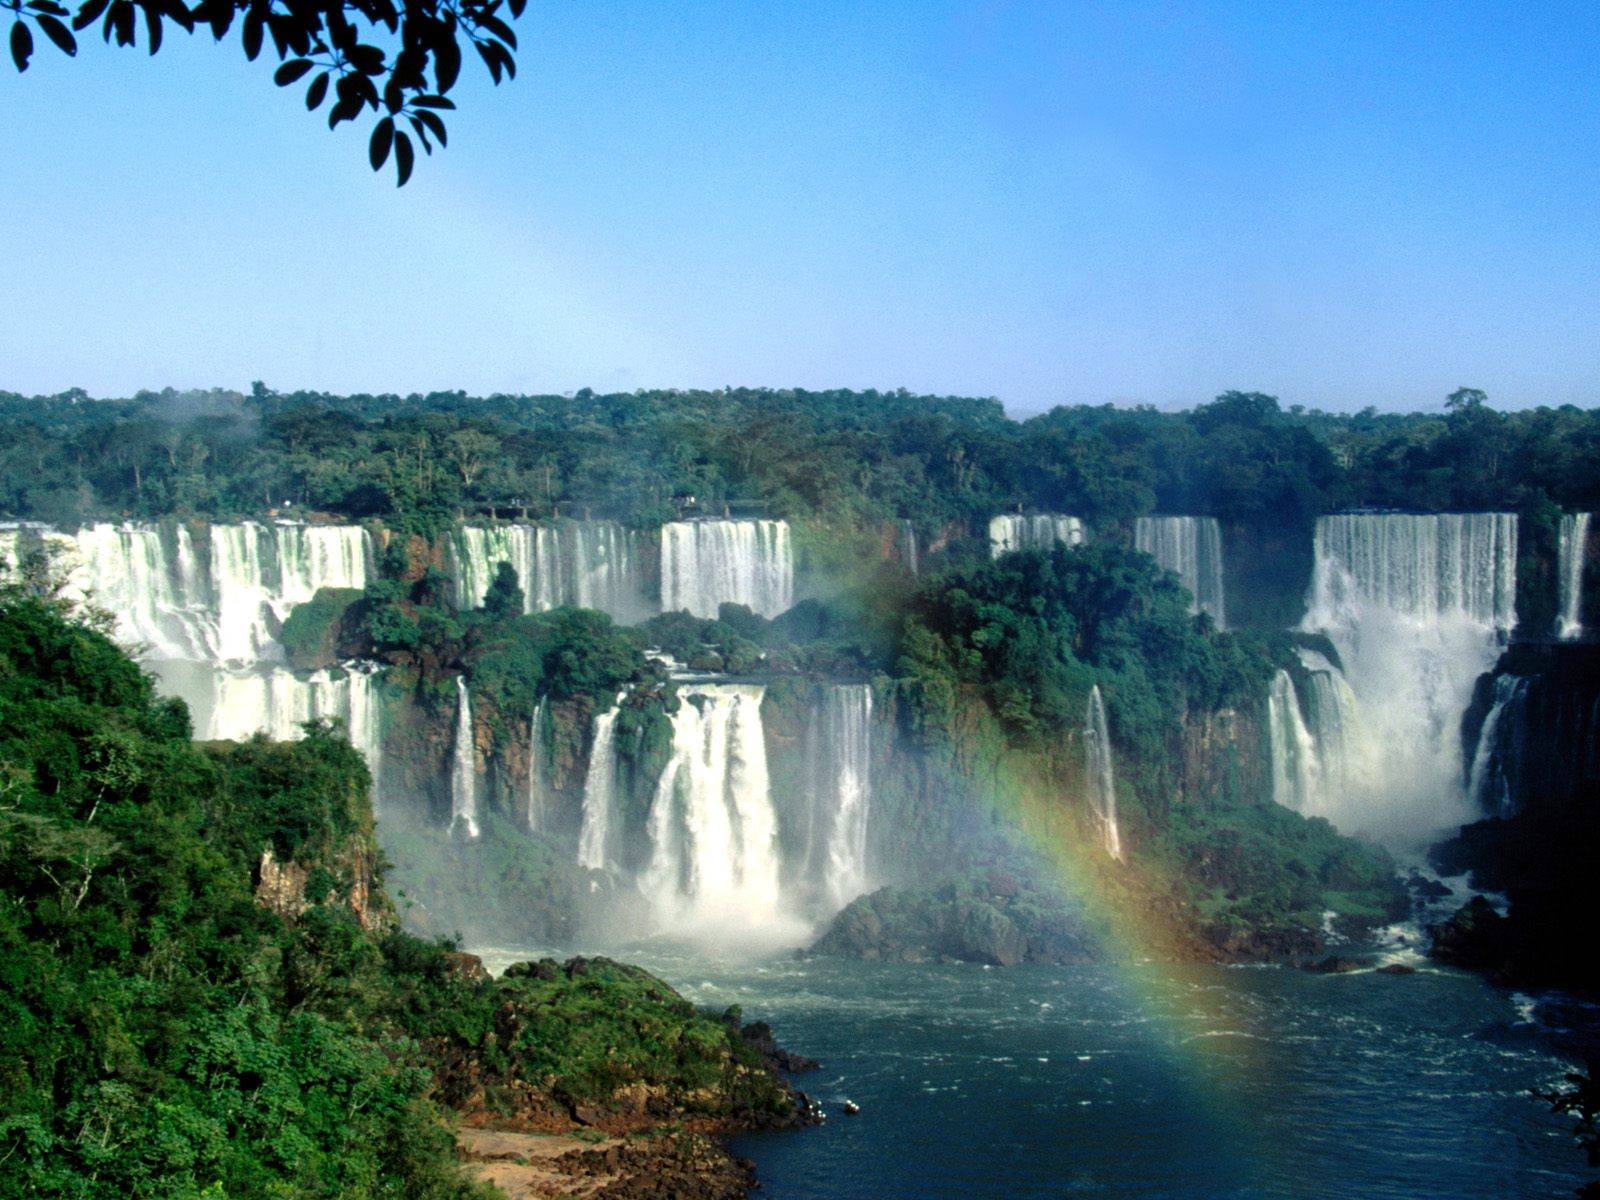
x=1144, y=1080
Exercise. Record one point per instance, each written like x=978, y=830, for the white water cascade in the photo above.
x=713, y=867
x=1493, y=761
x=838, y=797
x=203, y=613
x=706, y=563
x=907, y=548
x=463, y=769
x=1319, y=749
x=1038, y=531
x=538, y=780
x=277, y=702
x=1416, y=607
x=598, y=832
x=1191, y=548
x=1572, y=548
x=1101, y=772
x=1295, y=767
x=587, y=564
x=224, y=606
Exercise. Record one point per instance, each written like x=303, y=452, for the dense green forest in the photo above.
x=846, y=457
x=203, y=989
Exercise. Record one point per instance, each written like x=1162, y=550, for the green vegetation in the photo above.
x=1259, y=874
x=310, y=634
x=846, y=459
x=165, y=1033
x=1033, y=632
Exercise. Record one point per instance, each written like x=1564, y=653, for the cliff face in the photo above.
x=1223, y=754
x=292, y=888
x=1532, y=739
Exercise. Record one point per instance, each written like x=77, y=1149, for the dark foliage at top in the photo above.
x=396, y=60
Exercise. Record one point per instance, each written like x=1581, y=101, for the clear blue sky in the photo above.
x=1338, y=203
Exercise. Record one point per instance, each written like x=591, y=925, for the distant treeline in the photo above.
x=418, y=461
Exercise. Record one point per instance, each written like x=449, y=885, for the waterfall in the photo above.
x=1571, y=551
x=224, y=607
x=232, y=705
x=1416, y=607
x=1294, y=750
x=132, y=572
x=1102, y=778
x=838, y=796
x=1496, y=759
x=588, y=564
x=1040, y=531
x=463, y=770
x=598, y=832
x=1317, y=744
x=706, y=563
x=713, y=864
x=538, y=789
x=1191, y=548
x=907, y=549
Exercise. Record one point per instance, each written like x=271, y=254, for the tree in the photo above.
x=1465, y=399
x=397, y=58
x=504, y=597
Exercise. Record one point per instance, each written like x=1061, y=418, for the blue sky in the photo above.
x=1337, y=203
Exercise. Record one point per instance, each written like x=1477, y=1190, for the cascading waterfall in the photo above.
x=1101, y=772
x=1571, y=549
x=1191, y=548
x=1496, y=758
x=713, y=864
x=538, y=786
x=1038, y=531
x=598, y=831
x=706, y=563
x=463, y=769
x=225, y=607
x=588, y=564
x=1316, y=741
x=907, y=549
x=1416, y=607
x=1294, y=751
x=833, y=866
x=138, y=574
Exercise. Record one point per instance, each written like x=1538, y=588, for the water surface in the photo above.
x=1145, y=1081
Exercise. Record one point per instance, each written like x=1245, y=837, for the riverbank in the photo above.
x=546, y=1166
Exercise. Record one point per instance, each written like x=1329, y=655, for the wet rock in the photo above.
x=1397, y=969
x=1475, y=937
x=759, y=1034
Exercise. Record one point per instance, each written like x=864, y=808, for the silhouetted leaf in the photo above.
x=447, y=62
x=152, y=22
x=499, y=28
x=382, y=139
x=295, y=68
x=489, y=52
x=317, y=92
x=404, y=157
x=255, y=28
x=119, y=21
x=59, y=34
x=21, y=45
x=89, y=14
x=433, y=124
